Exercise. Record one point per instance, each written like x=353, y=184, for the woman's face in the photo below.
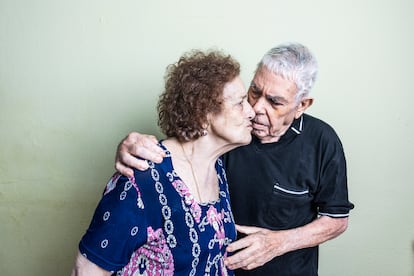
x=233, y=124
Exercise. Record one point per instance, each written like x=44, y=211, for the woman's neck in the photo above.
x=194, y=161
x=202, y=151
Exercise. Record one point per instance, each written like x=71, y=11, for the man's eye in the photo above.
x=274, y=102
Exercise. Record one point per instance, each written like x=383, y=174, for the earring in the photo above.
x=204, y=132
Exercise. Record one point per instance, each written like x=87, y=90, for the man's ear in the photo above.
x=303, y=105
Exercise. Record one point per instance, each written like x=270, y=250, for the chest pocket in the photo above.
x=285, y=208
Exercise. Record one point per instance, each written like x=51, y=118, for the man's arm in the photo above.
x=85, y=267
x=137, y=145
x=262, y=245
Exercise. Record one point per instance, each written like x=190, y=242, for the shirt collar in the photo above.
x=297, y=125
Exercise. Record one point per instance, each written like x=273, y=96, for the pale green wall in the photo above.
x=76, y=76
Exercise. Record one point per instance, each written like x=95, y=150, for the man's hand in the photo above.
x=141, y=145
x=257, y=248
x=262, y=245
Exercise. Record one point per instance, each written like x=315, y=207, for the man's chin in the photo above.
x=258, y=133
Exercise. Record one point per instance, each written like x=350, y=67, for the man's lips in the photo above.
x=258, y=125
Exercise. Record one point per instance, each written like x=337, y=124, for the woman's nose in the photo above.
x=250, y=112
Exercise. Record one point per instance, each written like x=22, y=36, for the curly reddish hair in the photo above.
x=193, y=89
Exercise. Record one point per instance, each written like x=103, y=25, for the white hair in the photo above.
x=293, y=62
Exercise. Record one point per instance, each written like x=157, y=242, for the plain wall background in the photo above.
x=77, y=76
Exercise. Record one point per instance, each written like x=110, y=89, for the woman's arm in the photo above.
x=85, y=267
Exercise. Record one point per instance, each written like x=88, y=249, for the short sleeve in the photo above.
x=118, y=227
x=332, y=195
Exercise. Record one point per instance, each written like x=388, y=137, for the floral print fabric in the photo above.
x=151, y=225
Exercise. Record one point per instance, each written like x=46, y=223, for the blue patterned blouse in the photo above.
x=151, y=225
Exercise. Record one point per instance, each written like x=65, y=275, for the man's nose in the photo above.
x=259, y=105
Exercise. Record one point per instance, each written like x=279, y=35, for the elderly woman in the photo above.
x=175, y=218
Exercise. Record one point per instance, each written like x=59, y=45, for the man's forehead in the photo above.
x=273, y=84
x=265, y=73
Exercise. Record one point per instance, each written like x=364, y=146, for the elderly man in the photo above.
x=288, y=187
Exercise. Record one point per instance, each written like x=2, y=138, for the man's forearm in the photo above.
x=260, y=245
x=320, y=230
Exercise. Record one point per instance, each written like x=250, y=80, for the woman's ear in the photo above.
x=303, y=105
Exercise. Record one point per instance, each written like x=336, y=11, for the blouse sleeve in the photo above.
x=118, y=226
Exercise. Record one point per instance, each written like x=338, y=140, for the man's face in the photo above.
x=274, y=100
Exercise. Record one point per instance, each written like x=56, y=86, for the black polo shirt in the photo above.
x=287, y=184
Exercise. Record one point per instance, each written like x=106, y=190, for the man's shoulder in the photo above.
x=315, y=121
x=314, y=124
x=317, y=131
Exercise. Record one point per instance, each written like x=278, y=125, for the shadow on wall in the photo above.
x=412, y=247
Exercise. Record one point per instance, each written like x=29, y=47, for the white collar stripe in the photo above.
x=300, y=126
x=301, y=123
x=334, y=215
x=295, y=130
